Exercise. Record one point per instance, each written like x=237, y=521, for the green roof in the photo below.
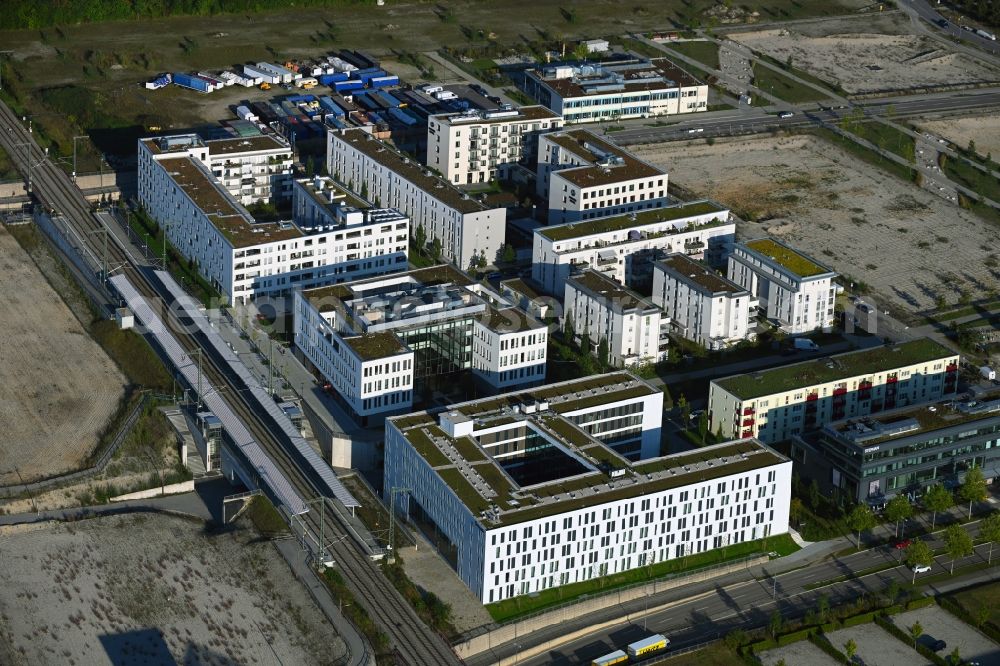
x=612, y=292
x=425, y=447
x=621, y=222
x=465, y=491
x=794, y=261
x=841, y=366
x=371, y=346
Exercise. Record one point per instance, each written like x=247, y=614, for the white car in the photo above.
x=921, y=568
x=696, y=130
x=785, y=114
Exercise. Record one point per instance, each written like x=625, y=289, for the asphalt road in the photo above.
x=714, y=608
x=925, y=11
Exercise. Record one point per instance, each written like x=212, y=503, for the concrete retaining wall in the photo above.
x=522, y=628
x=172, y=489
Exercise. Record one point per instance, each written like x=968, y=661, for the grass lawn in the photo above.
x=974, y=598
x=965, y=174
x=783, y=87
x=802, y=74
x=715, y=655
x=133, y=355
x=706, y=53
x=265, y=517
x=870, y=156
x=642, y=48
x=523, y=605
x=886, y=137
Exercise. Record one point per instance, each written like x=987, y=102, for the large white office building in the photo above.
x=377, y=340
x=582, y=177
x=467, y=229
x=591, y=93
x=532, y=492
x=701, y=305
x=780, y=403
x=341, y=238
x=604, y=310
x=793, y=290
x=480, y=146
x=624, y=247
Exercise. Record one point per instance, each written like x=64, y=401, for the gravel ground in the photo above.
x=802, y=653
x=984, y=130
x=876, y=647
x=149, y=589
x=58, y=388
x=939, y=624
x=854, y=217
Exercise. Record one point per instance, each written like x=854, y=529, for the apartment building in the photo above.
x=793, y=290
x=624, y=247
x=529, y=500
x=604, y=310
x=252, y=169
x=480, y=146
x=245, y=259
x=701, y=305
x=591, y=93
x=903, y=450
x=780, y=403
x=451, y=323
x=584, y=177
x=467, y=229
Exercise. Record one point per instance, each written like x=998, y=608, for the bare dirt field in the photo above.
x=984, y=130
x=879, y=55
x=58, y=387
x=150, y=590
x=901, y=240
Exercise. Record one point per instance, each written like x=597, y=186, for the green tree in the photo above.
x=603, y=353
x=775, y=623
x=850, y=649
x=861, y=519
x=983, y=613
x=823, y=607
x=989, y=531
x=814, y=495
x=735, y=639
x=436, y=249
x=420, y=238
x=899, y=509
x=703, y=426
x=957, y=543
x=918, y=554
x=937, y=499
x=668, y=401
x=973, y=488
x=580, y=52
x=509, y=254
x=916, y=631
x=568, y=330
x=892, y=591
x=585, y=342
x=955, y=658
x=795, y=510
x=682, y=404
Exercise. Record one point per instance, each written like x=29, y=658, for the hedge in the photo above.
x=956, y=609
x=824, y=644
x=922, y=602
x=864, y=618
x=764, y=645
x=795, y=636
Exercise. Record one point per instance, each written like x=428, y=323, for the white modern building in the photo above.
x=531, y=495
x=252, y=169
x=245, y=259
x=437, y=320
x=583, y=177
x=793, y=290
x=624, y=247
x=589, y=93
x=467, y=229
x=604, y=310
x=701, y=305
x=780, y=403
x=596, y=45
x=480, y=146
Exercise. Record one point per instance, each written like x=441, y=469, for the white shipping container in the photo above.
x=988, y=373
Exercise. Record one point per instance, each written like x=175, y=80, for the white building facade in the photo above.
x=780, y=403
x=481, y=146
x=624, y=247
x=604, y=310
x=701, y=305
x=512, y=540
x=604, y=92
x=583, y=177
x=467, y=229
x=793, y=290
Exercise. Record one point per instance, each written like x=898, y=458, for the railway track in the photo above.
x=413, y=640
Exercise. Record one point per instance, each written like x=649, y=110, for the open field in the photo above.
x=876, y=55
x=984, y=130
x=861, y=221
x=94, y=71
x=59, y=388
x=939, y=624
x=154, y=589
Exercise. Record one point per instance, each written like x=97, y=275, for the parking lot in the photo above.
x=802, y=653
x=939, y=624
x=875, y=646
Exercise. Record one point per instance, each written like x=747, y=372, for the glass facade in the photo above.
x=440, y=348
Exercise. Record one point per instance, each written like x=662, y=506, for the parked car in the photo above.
x=921, y=568
x=785, y=114
x=938, y=645
x=901, y=544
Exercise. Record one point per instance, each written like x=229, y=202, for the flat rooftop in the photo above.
x=508, y=320
x=909, y=421
x=607, y=162
x=521, y=287
x=614, y=294
x=520, y=115
x=656, y=74
x=409, y=169
x=698, y=273
x=793, y=261
x=602, y=225
x=573, y=471
x=341, y=195
x=265, y=142
x=372, y=346
x=840, y=366
x=229, y=218
x=428, y=277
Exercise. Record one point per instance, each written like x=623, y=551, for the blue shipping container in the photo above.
x=295, y=99
x=403, y=117
x=365, y=77
x=342, y=86
x=330, y=106
x=383, y=81
x=192, y=82
x=386, y=97
x=330, y=79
